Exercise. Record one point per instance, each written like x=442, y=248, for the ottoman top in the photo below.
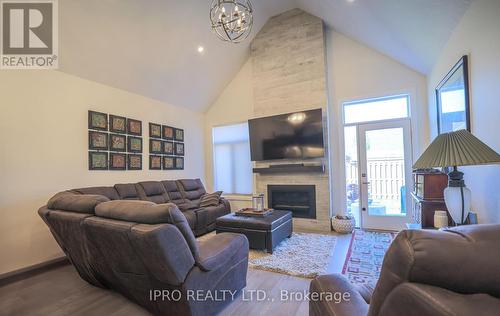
x=269, y=222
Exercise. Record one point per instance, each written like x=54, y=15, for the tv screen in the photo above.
x=288, y=136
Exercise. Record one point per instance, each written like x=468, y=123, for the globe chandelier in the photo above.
x=231, y=20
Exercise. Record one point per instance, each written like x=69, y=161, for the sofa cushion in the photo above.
x=149, y=213
x=210, y=199
x=127, y=191
x=173, y=192
x=152, y=191
x=192, y=189
x=108, y=192
x=213, y=212
x=81, y=203
x=190, y=184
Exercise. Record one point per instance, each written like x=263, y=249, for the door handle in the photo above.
x=365, y=183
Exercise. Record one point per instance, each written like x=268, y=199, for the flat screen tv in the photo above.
x=296, y=135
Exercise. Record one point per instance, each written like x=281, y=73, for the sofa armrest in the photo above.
x=189, y=205
x=338, y=285
x=226, y=203
x=420, y=299
x=217, y=250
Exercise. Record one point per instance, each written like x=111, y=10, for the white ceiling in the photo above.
x=149, y=47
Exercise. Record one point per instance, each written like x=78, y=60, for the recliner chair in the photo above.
x=425, y=272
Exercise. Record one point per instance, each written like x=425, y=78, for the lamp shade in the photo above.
x=459, y=148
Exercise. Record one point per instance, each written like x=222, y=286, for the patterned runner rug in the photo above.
x=365, y=255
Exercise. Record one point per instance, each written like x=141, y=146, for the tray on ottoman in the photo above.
x=262, y=232
x=254, y=212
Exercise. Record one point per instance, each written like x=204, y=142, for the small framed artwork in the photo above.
x=168, y=148
x=98, y=160
x=134, y=144
x=98, y=140
x=179, y=149
x=134, y=162
x=452, y=99
x=167, y=132
x=179, y=163
x=98, y=121
x=117, y=161
x=155, y=162
x=168, y=163
x=154, y=130
x=155, y=146
x=117, y=124
x=117, y=142
x=134, y=127
x=179, y=135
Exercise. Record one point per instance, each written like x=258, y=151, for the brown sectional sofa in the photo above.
x=138, y=238
x=184, y=193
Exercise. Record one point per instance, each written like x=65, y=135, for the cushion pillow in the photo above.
x=210, y=199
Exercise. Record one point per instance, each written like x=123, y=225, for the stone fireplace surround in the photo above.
x=289, y=75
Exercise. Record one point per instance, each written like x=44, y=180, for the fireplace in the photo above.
x=299, y=199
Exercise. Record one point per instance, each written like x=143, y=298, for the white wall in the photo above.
x=477, y=35
x=44, y=141
x=354, y=72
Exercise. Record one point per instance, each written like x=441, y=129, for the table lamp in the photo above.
x=454, y=149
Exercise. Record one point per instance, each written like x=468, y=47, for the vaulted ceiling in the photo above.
x=149, y=47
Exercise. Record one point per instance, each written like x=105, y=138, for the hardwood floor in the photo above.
x=62, y=292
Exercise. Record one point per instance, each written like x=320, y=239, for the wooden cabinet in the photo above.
x=429, y=186
x=423, y=211
x=428, y=197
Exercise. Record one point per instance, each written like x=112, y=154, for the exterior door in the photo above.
x=385, y=174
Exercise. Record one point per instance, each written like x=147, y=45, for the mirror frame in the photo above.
x=464, y=63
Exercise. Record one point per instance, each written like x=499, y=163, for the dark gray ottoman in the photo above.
x=262, y=232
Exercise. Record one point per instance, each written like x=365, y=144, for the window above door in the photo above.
x=377, y=109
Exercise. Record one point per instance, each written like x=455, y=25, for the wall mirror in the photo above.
x=452, y=99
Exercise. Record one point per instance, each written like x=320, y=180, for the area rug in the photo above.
x=304, y=255
x=365, y=255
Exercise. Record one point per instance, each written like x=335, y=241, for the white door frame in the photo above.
x=383, y=222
